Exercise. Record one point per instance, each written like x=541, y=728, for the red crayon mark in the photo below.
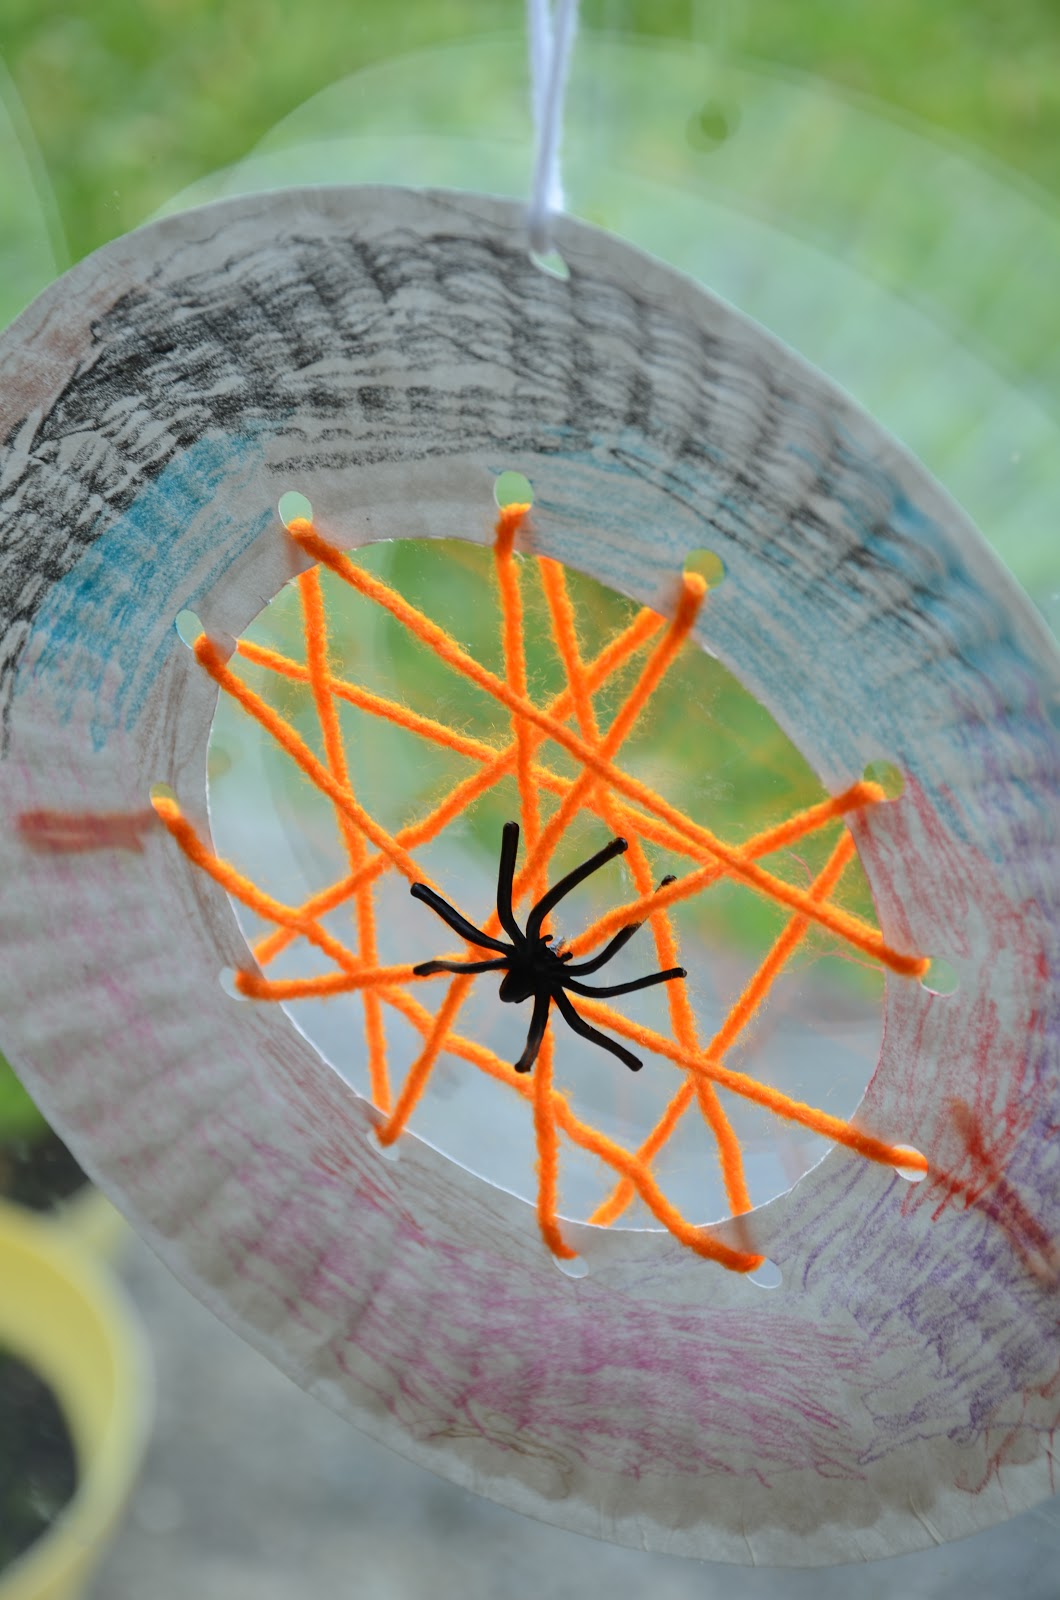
x=990, y=1192
x=1027, y=1420
x=72, y=832
x=982, y=1045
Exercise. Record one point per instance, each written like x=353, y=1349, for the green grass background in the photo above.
x=132, y=100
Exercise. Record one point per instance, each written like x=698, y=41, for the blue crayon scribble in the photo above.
x=107, y=627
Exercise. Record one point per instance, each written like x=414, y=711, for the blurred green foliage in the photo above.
x=19, y=1117
x=133, y=100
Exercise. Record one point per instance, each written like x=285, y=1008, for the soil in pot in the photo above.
x=36, y=1168
x=38, y=1469
x=38, y=1171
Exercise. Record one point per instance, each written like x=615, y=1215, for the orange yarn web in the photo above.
x=622, y=802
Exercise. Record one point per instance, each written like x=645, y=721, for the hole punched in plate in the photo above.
x=571, y=1266
x=707, y=565
x=227, y=979
x=941, y=977
x=292, y=505
x=552, y=264
x=385, y=1152
x=890, y=778
x=916, y=1171
x=513, y=489
x=188, y=627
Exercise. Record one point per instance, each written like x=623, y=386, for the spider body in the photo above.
x=532, y=967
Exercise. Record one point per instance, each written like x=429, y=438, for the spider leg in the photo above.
x=623, y=936
x=579, y=1025
x=617, y=847
x=427, y=969
x=538, y=1024
x=608, y=990
x=505, y=881
x=459, y=924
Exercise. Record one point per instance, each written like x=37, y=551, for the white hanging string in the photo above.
x=551, y=41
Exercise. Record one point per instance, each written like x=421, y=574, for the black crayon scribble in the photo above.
x=406, y=348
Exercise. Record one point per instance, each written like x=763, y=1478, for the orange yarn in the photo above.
x=623, y=803
x=425, y=727
x=763, y=844
x=316, y=647
x=614, y=655
x=738, y=1018
x=242, y=889
x=209, y=657
x=848, y=927
x=421, y=1068
x=652, y=675
x=508, y=524
x=547, y=1152
x=682, y=1017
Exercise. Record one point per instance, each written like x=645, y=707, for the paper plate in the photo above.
x=387, y=353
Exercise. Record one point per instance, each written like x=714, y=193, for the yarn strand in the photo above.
x=848, y=927
x=551, y=41
x=626, y=806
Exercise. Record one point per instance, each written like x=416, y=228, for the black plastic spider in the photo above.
x=530, y=966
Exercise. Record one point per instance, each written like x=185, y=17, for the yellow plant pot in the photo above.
x=91, y=1222
x=63, y=1315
